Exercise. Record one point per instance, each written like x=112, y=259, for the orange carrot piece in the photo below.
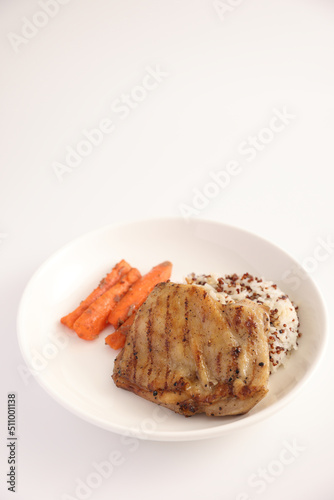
x=94, y=319
x=116, y=340
x=138, y=293
x=110, y=280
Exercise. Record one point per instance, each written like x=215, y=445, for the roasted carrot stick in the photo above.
x=116, y=340
x=110, y=280
x=138, y=293
x=93, y=320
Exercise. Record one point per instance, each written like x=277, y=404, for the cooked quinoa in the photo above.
x=284, y=323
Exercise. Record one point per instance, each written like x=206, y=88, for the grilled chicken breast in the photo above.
x=191, y=354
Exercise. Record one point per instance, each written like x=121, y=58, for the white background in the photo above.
x=224, y=74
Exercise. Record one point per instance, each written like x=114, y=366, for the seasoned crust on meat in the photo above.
x=191, y=354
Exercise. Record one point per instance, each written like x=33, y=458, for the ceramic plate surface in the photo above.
x=77, y=373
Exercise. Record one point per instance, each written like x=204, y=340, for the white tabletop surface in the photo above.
x=180, y=89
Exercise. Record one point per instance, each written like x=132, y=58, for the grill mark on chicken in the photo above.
x=234, y=369
x=134, y=359
x=185, y=338
x=167, y=341
x=218, y=362
x=149, y=343
x=250, y=324
x=186, y=319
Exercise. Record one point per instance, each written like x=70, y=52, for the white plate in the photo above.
x=77, y=373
